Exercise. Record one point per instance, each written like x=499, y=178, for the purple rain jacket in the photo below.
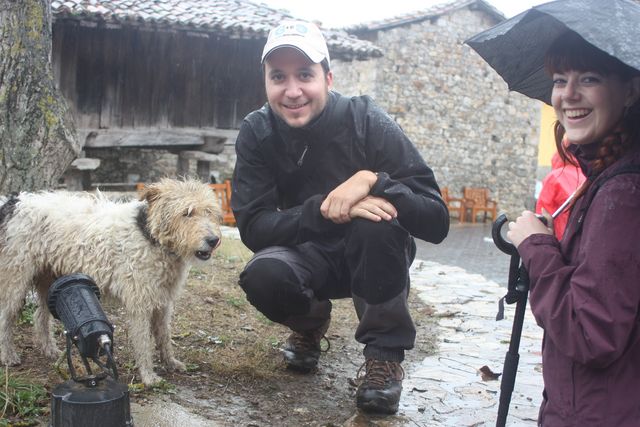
x=585, y=294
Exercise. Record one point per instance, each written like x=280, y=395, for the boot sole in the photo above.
x=379, y=406
x=296, y=363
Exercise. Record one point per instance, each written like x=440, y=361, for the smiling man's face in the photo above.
x=297, y=89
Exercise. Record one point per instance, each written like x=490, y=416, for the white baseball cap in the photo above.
x=301, y=35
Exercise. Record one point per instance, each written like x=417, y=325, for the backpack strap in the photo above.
x=599, y=183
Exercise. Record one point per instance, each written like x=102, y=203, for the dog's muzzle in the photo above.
x=212, y=243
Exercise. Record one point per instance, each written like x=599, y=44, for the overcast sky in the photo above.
x=341, y=13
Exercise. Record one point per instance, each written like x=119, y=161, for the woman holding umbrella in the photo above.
x=585, y=289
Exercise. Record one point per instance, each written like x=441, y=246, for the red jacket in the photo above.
x=557, y=186
x=585, y=294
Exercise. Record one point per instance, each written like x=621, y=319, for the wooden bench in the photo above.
x=453, y=204
x=477, y=201
x=223, y=191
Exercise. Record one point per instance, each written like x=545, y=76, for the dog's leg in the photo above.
x=12, y=295
x=141, y=340
x=162, y=332
x=43, y=325
x=43, y=321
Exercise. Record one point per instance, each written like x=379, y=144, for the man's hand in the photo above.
x=526, y=225
x=339, y=203
x=374, y=209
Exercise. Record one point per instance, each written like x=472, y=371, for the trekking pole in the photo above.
x=518, y=289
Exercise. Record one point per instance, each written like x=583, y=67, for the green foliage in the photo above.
x=20, y=401
x=26, y=315
x=237, y=302
x=275, y=342
x=232, y=251
x=263, y=319
x=221, y=340
x=162, y=387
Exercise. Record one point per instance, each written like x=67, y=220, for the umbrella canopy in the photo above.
x=516, y=48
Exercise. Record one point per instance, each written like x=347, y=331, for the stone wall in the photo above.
x=131, y=165
x=470, y=129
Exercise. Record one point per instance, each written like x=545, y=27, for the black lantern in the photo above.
x=96, y=399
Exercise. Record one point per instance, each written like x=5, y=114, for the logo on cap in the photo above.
x=304, y=36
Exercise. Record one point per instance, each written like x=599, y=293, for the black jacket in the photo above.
x=283, y=174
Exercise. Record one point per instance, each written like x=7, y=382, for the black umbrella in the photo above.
x=515, y=48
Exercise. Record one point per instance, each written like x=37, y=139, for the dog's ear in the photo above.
x=148, y=193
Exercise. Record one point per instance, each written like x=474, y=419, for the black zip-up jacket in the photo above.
x=283, y=174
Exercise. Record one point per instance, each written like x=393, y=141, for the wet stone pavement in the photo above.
x=471, y=247
x=447, y=388
x=462, y=279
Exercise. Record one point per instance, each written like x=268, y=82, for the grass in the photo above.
x=26, y=315
x=233, y=251
x=230, y=338
x=21, y=400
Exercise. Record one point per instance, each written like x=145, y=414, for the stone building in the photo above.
x=459, y=112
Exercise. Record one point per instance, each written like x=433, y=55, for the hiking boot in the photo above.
x=380, y=388
x=302, y=349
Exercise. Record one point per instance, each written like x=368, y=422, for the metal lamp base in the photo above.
x=75, y=404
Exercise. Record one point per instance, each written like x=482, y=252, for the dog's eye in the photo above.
x=189, y=212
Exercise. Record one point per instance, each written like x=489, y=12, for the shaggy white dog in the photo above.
x=138, y=252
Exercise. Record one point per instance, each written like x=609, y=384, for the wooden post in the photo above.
x=203, y=167
x=183, y=165
x=203, y=170
x=78, y=176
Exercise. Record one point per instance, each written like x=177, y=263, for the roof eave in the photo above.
x=480, y=5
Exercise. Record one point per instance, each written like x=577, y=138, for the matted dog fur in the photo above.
x=138, y=252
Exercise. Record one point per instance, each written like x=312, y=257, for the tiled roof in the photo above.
x=421, y=15
x=232, y=18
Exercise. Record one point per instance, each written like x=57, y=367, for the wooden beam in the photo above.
x=210, y=139
x=200, y=156
x=85, y=163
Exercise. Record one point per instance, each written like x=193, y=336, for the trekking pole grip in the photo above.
x=496, y=233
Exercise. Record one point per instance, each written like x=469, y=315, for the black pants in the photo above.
x=293, y=285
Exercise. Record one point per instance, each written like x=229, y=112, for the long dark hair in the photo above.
x=572, y=52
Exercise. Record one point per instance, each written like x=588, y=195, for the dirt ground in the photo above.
x=236, y=375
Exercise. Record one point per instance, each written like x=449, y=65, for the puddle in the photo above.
x=166, y=414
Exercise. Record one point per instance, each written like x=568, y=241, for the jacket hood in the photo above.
x=585, y=154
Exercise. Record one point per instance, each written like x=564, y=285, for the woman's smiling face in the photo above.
x=297, y=88
x=588, y=104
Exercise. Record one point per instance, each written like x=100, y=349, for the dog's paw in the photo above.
x=174, y=364
x=149, y=378
x=52, y=352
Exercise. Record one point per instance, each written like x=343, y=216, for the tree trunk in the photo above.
x=37, y=136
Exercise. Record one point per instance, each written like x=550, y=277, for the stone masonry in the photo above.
x=470, y=129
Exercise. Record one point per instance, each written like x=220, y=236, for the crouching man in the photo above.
x=328, y=192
